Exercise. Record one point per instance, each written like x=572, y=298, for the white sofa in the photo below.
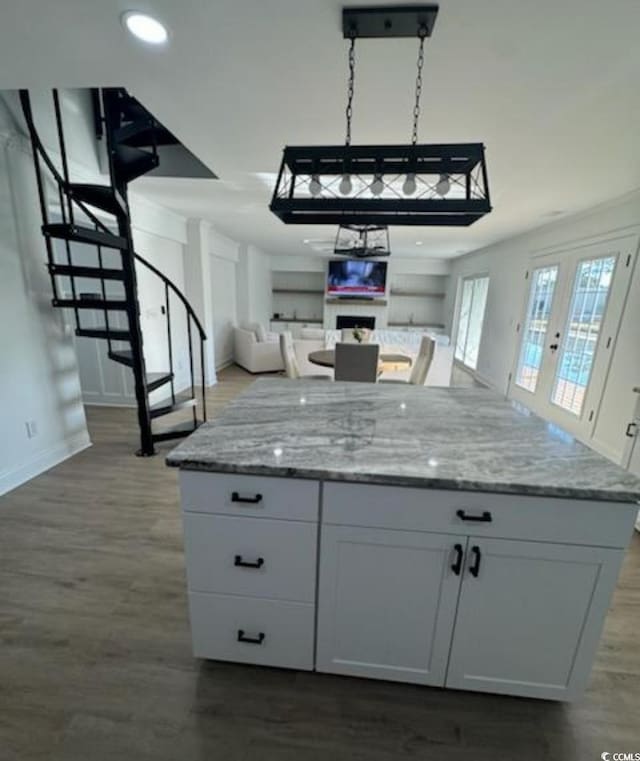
x=256, y=356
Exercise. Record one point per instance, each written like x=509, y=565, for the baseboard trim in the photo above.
x=12, y=479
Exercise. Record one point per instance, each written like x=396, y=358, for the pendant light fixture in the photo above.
x=411, y=184
x=362, y=241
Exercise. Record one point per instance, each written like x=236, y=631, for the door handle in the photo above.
x=553, y=347
x=457, y=563
x=235, y=497
x=242, y=637
x=631, y=430
x=474, y=568
x=238, y=561
x=484, y=517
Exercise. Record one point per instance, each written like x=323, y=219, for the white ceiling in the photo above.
x=550, y=86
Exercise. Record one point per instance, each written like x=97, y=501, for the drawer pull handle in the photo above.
x=238, y=561
x=457, y=564
x=474, y=568
x=242, y=637
x=484, y=517
x=235, y=497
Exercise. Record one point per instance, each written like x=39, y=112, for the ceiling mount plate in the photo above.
x=388, y=21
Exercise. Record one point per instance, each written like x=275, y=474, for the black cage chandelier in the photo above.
x=413, y=184
x=362, y=241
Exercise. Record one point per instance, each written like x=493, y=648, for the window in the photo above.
x=534, y=335
x=472, y=306
x=588, y=304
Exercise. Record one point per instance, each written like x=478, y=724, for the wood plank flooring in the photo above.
x=95, y=659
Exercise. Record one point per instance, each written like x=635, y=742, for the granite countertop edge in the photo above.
x=421, y=482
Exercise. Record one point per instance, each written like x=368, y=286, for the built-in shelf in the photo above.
x=314, y=320
x=415, y=325
x=314, y=291
x=362, y=302
x=429, y=294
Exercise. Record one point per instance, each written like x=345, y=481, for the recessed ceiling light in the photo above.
x=306, y=240
x=145, y=28
x=418, y=243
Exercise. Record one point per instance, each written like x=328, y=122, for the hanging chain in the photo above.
x=352, y=74
x=422, y=33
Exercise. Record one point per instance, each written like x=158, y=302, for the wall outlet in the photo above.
x=32, y=428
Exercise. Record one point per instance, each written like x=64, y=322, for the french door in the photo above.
x=574, y=303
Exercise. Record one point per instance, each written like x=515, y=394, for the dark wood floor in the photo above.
x=95, y=659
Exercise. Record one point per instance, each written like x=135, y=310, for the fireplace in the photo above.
x=349, y=321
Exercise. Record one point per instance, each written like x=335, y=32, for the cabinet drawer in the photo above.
x=253, y=496
x=547, y=519
x=251, y=630
x=251, y=556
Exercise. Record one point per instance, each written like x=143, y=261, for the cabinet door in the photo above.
x=386, y=603
x=530, y=616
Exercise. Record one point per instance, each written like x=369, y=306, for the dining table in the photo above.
x=388, y=362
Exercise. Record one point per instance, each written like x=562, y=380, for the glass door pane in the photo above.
x=588, y=304
x=472, y=306
x=463, y=323
x=476, y=318
x=536, y=326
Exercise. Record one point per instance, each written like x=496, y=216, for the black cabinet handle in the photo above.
x=457, y=563
x=235, y=497
x=474, y=568
x=631, y=430
x=242, y=637
x=248, y=563
x=484, y=517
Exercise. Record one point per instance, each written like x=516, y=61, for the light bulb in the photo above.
x=346, y=186
x=443, y=185
x=409, y=186
x=145, y=28
x=314, y=186
x=377, y=186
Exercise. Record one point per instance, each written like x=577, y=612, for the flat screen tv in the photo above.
x=355, y=277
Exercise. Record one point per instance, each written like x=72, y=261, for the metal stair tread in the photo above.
x=179, y=431
x=100, y=196
x=88, y=235
x=156, y=380
x=100, y=304
x=100, y=273
x=111, y=334
x=168, y=406
x=123, y=357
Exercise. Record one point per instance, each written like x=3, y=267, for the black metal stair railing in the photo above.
x=75, y=199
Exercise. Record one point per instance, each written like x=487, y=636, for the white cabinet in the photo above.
x=386, y=603
x=520, y=614
x=474, y=591
x=251, y=556
x=530, y=616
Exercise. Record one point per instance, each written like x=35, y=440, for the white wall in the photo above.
x=253, y=285
x=506, y=264
x=38, y=371
x=224, y=254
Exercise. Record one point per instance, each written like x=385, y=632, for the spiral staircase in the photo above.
x=98, y=216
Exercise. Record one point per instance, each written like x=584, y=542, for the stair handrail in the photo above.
x=25, y=101
x=176, y=290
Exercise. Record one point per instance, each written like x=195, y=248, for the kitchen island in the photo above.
x=442, y=537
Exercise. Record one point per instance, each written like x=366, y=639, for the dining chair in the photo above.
x=421, y=365
x=290, y=361
x=357, y=362
x=347, y=337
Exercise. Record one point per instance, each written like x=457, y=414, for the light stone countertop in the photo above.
x=441, y=438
